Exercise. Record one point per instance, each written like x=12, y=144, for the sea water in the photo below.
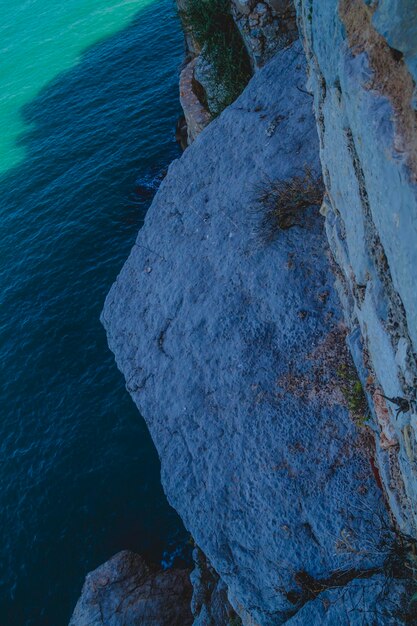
x=88, y=104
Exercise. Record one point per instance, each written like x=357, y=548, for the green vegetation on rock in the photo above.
x=212, y=26
x=354, y=394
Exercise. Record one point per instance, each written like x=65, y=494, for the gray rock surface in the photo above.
x=375, y=601
x=230, y=346
x=125, y=591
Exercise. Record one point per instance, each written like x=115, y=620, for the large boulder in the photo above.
x=126, y=591
x=231, y=348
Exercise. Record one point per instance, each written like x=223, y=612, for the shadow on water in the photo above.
x=79, y=473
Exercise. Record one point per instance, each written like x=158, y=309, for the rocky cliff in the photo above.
x=363, y=94
x=265, y=322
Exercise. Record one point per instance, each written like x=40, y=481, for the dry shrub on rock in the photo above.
x=282, y=203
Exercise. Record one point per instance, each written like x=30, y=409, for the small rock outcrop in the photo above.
x=266, y=27
x=197, y=116
x=126, y=591
x=230, y=342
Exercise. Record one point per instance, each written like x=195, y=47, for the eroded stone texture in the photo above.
x=212, y=330
x=125, y=591
x=368, y=138
x=196, y=115
x=266, y=27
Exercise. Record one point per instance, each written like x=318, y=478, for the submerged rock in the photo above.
x=230, y=348
x=125, y=591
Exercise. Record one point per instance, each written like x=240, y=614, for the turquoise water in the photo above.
x=88, y=104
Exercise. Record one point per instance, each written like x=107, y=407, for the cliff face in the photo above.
x=238, y=349
x=233, y=348
x=363, y=98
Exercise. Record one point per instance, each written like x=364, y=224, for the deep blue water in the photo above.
x=79, y=474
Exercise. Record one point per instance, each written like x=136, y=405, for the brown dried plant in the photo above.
x=282, y=203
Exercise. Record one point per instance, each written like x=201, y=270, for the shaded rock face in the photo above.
x=360, y=56
x=125, y=591
x=192, y=48
x=210, y=604
x=214, y=92
x=396, y=21
x=223, y=341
